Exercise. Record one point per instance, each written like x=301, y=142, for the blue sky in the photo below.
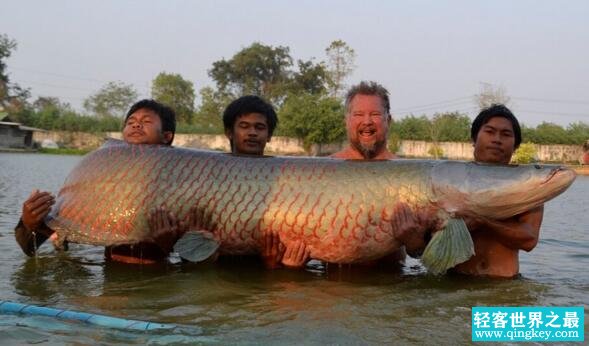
x=424, y=52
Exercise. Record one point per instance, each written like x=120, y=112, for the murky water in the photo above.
x=240, y=302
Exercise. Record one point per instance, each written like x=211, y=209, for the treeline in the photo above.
x=307, y=94
x=455, y=127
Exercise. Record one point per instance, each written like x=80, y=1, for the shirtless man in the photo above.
x=147, y=122
x=496, y=134
x=368, y=119
x=249, y=123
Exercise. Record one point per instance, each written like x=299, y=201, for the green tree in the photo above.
x=312, y=78
x=315, y=119
x=13, y=98
x=412, y=128
x=526, y=153
x=258, y=69
x=577, y=133
x=208, y=116
x=175, y=92
x=340, y=58
x=450, y=127
x=549, y=133
x=112, y=100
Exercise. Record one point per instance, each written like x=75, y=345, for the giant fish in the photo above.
x=341, y=209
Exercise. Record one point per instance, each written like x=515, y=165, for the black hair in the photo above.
x=496, y=110
x=249, y=104
x=166, y=114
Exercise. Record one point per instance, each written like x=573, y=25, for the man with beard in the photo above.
x=368, y=119
x=367, y=123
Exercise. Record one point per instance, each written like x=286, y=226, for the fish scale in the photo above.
x=341, y=209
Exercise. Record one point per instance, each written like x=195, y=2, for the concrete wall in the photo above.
x=292, y=146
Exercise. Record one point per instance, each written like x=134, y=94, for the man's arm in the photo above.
x=520, y=232
x=31, y=231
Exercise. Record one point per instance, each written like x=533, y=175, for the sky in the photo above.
x=433, y=56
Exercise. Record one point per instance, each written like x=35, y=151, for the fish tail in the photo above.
x=449, y=247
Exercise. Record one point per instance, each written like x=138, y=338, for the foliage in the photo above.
x=258, y=69
x=341, y=64
x=64, y=151
x=450, y=127
x=208, y=116
x=310, y=78
x=436, y=151
x=175, y=92
x=112, y=100
x=412, y=127
x=13, y=98
x=526, y=153
x=315, y=119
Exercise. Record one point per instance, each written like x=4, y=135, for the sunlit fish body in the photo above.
x=341, y=209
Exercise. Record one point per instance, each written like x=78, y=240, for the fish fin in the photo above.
x=449, y=247
x=196, y=246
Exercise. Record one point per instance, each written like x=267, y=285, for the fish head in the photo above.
x=497, y=191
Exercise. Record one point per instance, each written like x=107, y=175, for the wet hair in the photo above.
x=166, y=114
x=246, y=105
x=496, y=110
x=369, y=88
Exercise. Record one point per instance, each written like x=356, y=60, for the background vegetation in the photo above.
x=308, y=96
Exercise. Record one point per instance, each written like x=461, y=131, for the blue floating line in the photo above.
x=7, y=307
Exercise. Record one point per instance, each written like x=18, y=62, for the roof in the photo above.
x=21, y=127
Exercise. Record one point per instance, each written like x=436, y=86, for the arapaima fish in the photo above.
x=341, y=209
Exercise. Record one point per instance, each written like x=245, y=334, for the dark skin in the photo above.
x=497, y=242
x=142, y=127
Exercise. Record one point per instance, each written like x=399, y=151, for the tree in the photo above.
x=412, y=128
x=208, y=116
x=450, y=127
x=526, y=153
x=175, y=92
x=490, y=95
x=112, y=100
x=577, y=133
x=341, y=64
x=315, y=119
x=258, y=69
x=549, y=133
x=310, y=78
x=13, y=98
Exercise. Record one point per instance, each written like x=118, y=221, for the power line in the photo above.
x=432, y=104
x=551, y=100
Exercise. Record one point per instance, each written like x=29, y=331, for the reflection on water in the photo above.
x=238, y=301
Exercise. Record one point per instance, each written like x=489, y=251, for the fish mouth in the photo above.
x=559, y=173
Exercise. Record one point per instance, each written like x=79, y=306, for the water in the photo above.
x=237, y=302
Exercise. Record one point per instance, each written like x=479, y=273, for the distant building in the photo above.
x=584, y=160
x=15, y=135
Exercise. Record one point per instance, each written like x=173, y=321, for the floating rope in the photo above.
x=7, y=307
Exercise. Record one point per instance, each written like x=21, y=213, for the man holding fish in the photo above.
x=147, y=122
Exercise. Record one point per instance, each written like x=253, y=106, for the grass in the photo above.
x=64, y=151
